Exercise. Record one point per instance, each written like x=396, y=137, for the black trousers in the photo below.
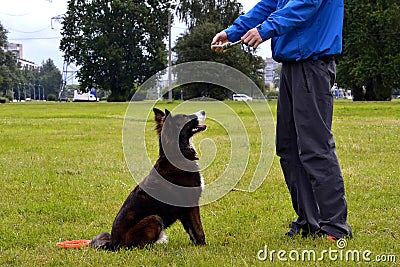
x=305, y=145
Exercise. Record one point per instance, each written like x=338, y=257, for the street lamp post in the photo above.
x=30, y=92
x=24, y=89
x=169, y=58
x=19, y=93
x=27, y=92
x=38, y=87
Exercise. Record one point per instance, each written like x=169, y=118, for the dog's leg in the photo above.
x=191, y=221
x=145, y=232
x=101, y=241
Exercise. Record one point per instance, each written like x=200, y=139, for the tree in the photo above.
x=50, y=77
x=3, y=43
x=223, y=12
x=371, y=50
x=8, y=67
x=21, y=83
x=205, y=18
x=31, y=80
x=116, y=43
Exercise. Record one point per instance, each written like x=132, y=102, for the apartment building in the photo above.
x=18, y=51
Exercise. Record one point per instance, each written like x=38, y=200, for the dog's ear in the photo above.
x=158, y=115
x=167, y=112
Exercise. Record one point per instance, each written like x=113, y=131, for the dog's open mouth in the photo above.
x=199, y=128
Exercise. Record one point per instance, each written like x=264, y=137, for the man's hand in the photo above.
x=219, y=39
x=252, y=38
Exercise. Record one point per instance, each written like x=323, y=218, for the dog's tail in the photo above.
x=102, y=241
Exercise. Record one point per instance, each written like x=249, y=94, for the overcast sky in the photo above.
x=30, y=23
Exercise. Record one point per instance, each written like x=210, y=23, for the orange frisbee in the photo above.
x=75, y=244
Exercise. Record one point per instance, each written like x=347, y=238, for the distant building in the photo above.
x=18, y=51
x=270, y=76
x=25, y=64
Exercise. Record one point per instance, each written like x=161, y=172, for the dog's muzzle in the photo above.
x=201, y=116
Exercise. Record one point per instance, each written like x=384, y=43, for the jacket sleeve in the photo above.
x=258, y=14
x=290, y=16
x=272, y=20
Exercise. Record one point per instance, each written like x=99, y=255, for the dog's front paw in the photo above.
x=162, y=239
x=101, y=241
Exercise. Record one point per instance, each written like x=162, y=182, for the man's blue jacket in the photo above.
x=300, y=29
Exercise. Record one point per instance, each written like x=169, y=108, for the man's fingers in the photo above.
x=257, y=44
x=218, y=41
x=220, y=38
x=215, y=40
x=252, y=38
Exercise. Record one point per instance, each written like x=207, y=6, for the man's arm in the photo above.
x=258, y=14
x=284, y=20
x=264, y=21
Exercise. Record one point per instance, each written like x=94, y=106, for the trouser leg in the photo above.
x=318, y=183
x=296, y=177
x=312, y=114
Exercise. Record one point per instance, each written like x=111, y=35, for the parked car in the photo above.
x=396, y=94
x=241, y=97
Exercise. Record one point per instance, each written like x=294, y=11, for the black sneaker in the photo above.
x=325, y=235
x=295, y=229
x=315, y=234
x=334, y=238
x=306, y=233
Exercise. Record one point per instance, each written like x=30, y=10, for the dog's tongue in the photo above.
x=202, y=127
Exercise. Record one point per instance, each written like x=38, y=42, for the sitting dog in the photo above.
x=169, y=193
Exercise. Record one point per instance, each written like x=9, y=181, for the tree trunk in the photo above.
x=117, y=95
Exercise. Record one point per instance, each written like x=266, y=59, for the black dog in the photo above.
x=169, y=193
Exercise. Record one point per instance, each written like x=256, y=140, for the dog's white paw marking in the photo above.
x=162, y=239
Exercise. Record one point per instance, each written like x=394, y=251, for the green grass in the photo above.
x=63, y=177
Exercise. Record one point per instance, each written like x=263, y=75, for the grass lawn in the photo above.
x=64, y=177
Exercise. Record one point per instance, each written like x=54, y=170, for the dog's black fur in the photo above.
x=142, y=218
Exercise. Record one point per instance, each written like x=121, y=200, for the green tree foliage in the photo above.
x=23, y=83
x=116, y=43
x=205, y=18
x=46, y=80
x=8, y=67
x=3, y=42
x=371, y=49
x=30, y=80
x=51, y=97
x=223, y=12
x=50, y=77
